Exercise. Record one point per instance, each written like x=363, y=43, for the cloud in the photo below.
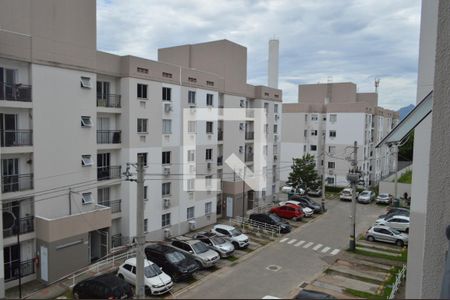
x=347, y=40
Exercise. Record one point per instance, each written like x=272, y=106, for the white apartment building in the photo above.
x=325, y=123
x=72, y=117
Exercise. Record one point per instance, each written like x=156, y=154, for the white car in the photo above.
x=234, y=235
x=289, y=189
x=156, y=281
x=398, y=222
x=384, y=198
x=306, y=210
x=346, y=194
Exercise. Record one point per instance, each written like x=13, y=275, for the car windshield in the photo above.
x=364, y=194
x=199, y=247
x=175, y=257
x=396, y=232
x=384, y=195
x=275, y=218
x=218, y=240
x=152, y=271
x=235, y=232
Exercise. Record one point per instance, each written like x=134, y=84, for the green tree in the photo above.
x=304, y=173
x=405, y=152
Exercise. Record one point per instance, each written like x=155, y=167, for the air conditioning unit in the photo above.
x=208, y=165
x=241, y=126
x=166, y=171
x=192, y=225
x=167, y=233
x=241, y=149
x=331, y=172
x=166, y=203
x=167, y=107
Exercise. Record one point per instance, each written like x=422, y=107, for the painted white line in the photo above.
x=324, y=250
x=335, y=251
x=284, y=240
x=292, y=241
x=317, y=247
x=308, y=245
x=299, y=243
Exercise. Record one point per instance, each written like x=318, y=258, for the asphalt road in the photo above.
x=282, y=266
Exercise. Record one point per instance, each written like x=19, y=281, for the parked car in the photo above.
x=305, y=201
x=306, y=210
x=219, y=244
x=234, y=235
x=386, y=234
x=346, y=194
x=271, y=219
x=289, y=189
x=106, y=286
x=309, y=294
x=172, y=261
x=288, y=211
x=398, y=222
x=315, y=193
x=384, y=198
x=366, y=197
x=204, y=256
x=392, y=211
x=156, y=281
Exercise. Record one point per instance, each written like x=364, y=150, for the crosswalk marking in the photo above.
x=308, y=245
x=325, y=249
x=299, y=243
x=334, y=252
x=317, y=247
x=284, y=240
x=292, y=241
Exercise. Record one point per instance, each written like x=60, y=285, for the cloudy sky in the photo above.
x=320, y=40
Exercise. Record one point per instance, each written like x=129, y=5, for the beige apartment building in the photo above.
x=72, y=117
x=326, y=121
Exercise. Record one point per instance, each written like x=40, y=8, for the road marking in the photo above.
x=325, y=249
x=308, y=245
x=292, y=241
x=284, y=240
x=317, y=247
x=335, y=251
x=299, y=243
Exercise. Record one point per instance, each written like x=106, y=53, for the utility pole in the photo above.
x=243, y=198
x=323, y=178
x=353, y=177
x=395, y=149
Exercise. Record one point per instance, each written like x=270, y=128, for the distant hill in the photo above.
x=404, y=111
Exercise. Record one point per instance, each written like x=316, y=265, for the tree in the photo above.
x=304, y=173
x=405, y=152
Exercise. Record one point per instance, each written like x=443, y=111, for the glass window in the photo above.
x=191, y=155
x=331, y=165
x=145, y=225
x=142, y=91
x=192, y=126
x=209, y=100
x=190, y=212
x=199, y=247
x=191, y=97
x=166, y=157
x=167, y=126
x=175, y=257
x=208, y=155
x=333, y=118
x=142, y=156
x=166, y=188
x=209, y=127
x=313, y=147
x=142, y=125
x=166, y=94
x=332, y=133
x=165, y=220
x=152, y=271
x=208, y=208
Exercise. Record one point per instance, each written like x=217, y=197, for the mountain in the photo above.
x=404, y=111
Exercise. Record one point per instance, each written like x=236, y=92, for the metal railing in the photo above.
x=17, y=183
x=220, y=135
x=398, y=281
x=12, y=269
x=110, y=100
x=248, y=157
x=246, y=223
x=116, y=240
x=219, y=160
x=249, y=135
x=26, y=226
x=14, y=138
x=109, y=172
x=109, y=136
x=15, y=92
x=114, y=204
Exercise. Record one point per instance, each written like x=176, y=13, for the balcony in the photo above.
x=248, y=157
x=219, y=160
x=15, y=92
x=220, y=135
x=15, y=138
x=17, y=183
x=116, y=240
x=110, y=100
x=249, y=135
x=109, y=172
x=26, y=226
x=114, y=204
x=12, y=269
x=109, y=136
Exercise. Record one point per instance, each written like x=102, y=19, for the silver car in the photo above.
x=216, y=243
x=366, y=197
x=204, y=256
x=386, y=234
x=384, y=198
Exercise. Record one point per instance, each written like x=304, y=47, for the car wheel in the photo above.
x=148, y=291
x=407, y=230
x=236, y=245
x=399, y=243
x=76, y=296
x=120, y=276
x=370, y=238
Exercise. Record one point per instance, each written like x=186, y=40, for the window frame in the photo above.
x=209, y=127
x=85, y=82
x=142, y=91
x=143, y=126
x=165, y=189
x=208, y=208
x=332, y=135
x=208, y=154
x=166, y=93
x=164, y=156
x=86, y=160
x=86, y=121
x=190, y=213
x=165, y=220
x=87, y=198
x=145, y=154
x=209, y=99
x=164, y=125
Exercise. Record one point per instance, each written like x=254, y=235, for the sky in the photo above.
x=320, y=40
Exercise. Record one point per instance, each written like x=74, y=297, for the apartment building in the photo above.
x=72, y=118
x=326, y=121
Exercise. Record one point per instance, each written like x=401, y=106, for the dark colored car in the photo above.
x=308, y=202
x=106, y=286
x=173, y=262
x=308, y=294
x=288, y=211
x=395, y=211
x=271, y=219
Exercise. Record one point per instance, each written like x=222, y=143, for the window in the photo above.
x=330, y=180
x=306, y=118
x=331, y=149
x=86, y=160
x=191, y=155
x=313, y=147
x=165, y=220
x=277, y=96
x=146, y=192
x=86, y=121
x=192, y=79
x=275, y=108
x=266, y=128
x=102, y=90
x=142, y=156
x=166, y=157
x=191, y=97
x=332, y=133
x=275, y=128
x=190, y=184
x=210, y=83
x=266, y=94
x=209, y=127
x=166, y=75
x=208, y=155
x=209, y=99
x=165, y=188
x=142, y=70
x=167, y=126
x=333, y=118
x=142, y=91
x=142, y=125
x=85, y=82
x=166, y=94
x=242, y=103
x=305, y=133
x=208, y=180
x=314, y=117
x=313, y=132
x=191, y=126
x=145, y=225
x=208, y=208
x=190, y=213
x=86, y=198
x=266, y=107
x=128, y=267
x=331, y=165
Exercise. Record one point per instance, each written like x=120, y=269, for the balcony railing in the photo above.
x=110, y=100
x=12, y=269
x=109, y=172
x=26, y=226
x=114, y=204
x=14, y=138
x=15, y=92
x=16, y=183
x=109, y=136
x=248, y=157
x=219, y=160
x=116, y=240
x=220, y=135
x=249, y=135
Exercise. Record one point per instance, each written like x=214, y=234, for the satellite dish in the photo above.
x=9, y=220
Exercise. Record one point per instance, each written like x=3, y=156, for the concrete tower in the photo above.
x=273, y=63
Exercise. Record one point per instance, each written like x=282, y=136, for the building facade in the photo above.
x=325, y=123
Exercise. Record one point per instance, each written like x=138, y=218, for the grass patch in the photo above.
x=402, y=257
x=234, y=264
x=232, y=258
x=352, y=276
x=248, y=250
x=67, y=294
x=406, y=177
x=361, y=294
